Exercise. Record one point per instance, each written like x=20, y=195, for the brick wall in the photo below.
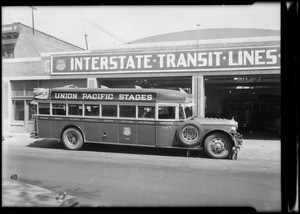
x=31, y=45
x=10, y=68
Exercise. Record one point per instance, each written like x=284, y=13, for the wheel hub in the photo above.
x=72, y=139
x=190, y=133
x=218, y=146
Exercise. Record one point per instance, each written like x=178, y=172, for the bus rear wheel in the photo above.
x=217, y=145
x=72, y=139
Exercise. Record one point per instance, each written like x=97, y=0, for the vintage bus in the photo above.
x=131, y=116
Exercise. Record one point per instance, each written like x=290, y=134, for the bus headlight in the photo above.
x=233, y=128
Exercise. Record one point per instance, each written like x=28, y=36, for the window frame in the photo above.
x=145, y=118
x=92, y=116
x=169, y=105
x=60, y=115
x=71, y=115
x=119, y=111
x=13, y=113
x=109, y=117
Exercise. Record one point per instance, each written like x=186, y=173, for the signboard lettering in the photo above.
x=105, y=96
x=185, y=60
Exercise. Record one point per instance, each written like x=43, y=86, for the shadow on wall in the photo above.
x=256, y=135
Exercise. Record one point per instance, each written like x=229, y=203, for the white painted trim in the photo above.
x=201, y=42
x=103, y=53
x=165, y=44
x=173, y=70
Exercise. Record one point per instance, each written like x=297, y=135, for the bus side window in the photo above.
x=181, y=113
x=44, y=108
x=127, y=111
x=109, y=110
x=146, y=112
x=166, y=112
x=188, y=112
x=59, y=109
x=91, y=110
x=75, y=109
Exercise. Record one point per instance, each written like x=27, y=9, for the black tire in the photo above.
x=189, y=134
x=72, y=139
x=218, y=145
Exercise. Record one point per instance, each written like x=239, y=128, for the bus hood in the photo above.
x=216, y=121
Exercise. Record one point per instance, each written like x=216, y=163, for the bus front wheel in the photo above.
x=217, y=145
x=72, y=139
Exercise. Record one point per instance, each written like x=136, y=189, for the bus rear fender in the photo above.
x=72, y=126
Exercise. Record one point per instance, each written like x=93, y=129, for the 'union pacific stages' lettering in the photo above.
x=135, y=97
x=64, y=96
x=104, y=96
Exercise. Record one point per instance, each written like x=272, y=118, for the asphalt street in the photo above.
x=136, y=177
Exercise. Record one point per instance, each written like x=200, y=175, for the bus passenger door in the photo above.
x=166, y=125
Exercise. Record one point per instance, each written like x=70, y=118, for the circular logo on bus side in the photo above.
x=127, y=131
x=60, y=65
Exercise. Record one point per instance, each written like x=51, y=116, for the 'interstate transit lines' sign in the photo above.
x=234, y=58
x=104, y=96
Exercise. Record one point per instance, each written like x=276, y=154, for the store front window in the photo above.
x=18, y=110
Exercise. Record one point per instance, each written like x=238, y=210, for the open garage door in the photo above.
x=254, y=101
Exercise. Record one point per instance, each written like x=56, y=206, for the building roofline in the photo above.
x=19, y=23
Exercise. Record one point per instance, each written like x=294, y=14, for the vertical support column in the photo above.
x=199, y=95
x=6, y=106
x=92, y=83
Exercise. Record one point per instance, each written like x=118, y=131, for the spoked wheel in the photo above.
x=189, y=134
x=72, y=139
x=218, y=145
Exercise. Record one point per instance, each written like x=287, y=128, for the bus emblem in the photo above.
x=60, y=65
x=127, y=131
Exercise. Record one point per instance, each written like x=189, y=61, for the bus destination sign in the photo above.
x=104, y=96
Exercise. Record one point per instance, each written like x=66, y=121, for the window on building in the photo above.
x=23, y=88
x=8, y=51
x=60, y=83
x=18, y=112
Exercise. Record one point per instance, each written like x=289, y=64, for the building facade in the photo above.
x=230, y=72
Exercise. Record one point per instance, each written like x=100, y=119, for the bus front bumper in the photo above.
x=34, y=135
x=238, y=141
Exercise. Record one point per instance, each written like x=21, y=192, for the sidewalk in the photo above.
x=12, y=135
